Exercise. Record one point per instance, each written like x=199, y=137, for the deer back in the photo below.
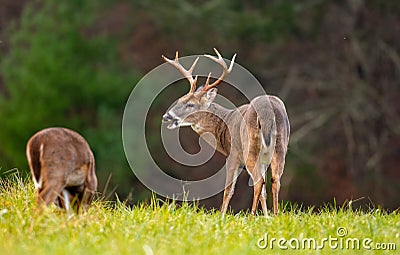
x=63, y=154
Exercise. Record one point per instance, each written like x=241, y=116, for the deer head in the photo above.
x=183, y=113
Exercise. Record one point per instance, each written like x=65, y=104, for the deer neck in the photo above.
x=214, y=121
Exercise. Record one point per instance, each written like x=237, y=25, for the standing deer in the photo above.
x=62, y=167
x=255, y=135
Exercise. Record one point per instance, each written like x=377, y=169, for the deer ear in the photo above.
x=210, y=95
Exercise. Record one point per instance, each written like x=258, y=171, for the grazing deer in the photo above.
x=255, y=135
x=62, y=167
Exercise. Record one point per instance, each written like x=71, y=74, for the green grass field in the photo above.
x=166, y=228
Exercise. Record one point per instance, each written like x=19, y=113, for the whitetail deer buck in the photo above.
x=62, y=167
x=255, y=135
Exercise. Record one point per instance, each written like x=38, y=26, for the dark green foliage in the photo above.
x=222, y=21
x=59, y=74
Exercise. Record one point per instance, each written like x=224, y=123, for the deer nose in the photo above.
x=167, y=117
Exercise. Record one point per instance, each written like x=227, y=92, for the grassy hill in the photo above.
x=168, y=228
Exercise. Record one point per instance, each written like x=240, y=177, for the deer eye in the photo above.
x=189, y=105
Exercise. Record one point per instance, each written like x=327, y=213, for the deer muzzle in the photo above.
x=167, y=117
x=173, y=121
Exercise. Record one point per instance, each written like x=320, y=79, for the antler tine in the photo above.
x=225, y=70
x=186, y=73
x=208, y=80
x=193, y=85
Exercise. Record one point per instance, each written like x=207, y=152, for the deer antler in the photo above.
x=186, y=73
x=225, y=70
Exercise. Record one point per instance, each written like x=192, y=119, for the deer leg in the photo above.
x=66, y=200
x=263, y=195
x=258, y=186
x=52, y=187
x=263, y=200
x=89, y=189
x=231, y=178
x=276, y=185
x=277, y=165
x=87, y=197
x=254, y=169
x=48, y=195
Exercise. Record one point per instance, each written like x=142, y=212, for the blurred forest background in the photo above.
x=335, y=63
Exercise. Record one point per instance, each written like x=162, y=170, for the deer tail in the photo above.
x=34, y=154
x=267, y=131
